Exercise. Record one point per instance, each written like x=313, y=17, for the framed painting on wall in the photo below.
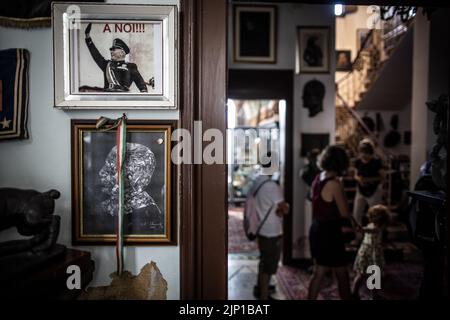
x=312, y=141
x=148, y=206
x=343, y=60
x=254, y=33
x=114, y=56
x=313, y=50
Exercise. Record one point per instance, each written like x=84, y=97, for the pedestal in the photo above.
x=45, y=277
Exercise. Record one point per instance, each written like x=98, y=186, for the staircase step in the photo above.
x=393, y=253
x=409, y=251
x=394, y=215
x=397, y=232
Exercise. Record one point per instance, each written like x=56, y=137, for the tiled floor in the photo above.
x=242, y=275
x=243, y=258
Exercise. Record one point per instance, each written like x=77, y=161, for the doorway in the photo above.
x=260, y=111
x=203, y=231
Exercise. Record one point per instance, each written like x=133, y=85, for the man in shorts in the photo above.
x=269, y=202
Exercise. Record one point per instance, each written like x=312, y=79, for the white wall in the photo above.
x=290, y=16
x=346, y=32
x=419, y=96
x=44, y=161
x=430, y=80
x=324, y=122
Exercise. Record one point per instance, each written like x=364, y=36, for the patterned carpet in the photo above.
x=237, y=241
x=400, y=282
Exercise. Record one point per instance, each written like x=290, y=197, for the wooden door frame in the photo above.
x=203, y=201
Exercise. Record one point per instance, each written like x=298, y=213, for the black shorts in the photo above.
x=327, y=244
x=270, y=253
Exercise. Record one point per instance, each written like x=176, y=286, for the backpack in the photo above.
x=252, y=223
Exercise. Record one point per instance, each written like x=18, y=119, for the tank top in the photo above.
x=323, y=211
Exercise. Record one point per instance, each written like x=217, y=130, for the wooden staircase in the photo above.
x=378, y=61
x=382, y=50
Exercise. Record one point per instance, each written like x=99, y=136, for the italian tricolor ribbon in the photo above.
x=121, y=137
x=121, y=141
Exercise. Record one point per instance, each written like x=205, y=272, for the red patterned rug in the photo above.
x=237, y=241
x=401, y=282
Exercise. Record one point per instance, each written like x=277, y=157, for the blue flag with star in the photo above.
x=14, y=93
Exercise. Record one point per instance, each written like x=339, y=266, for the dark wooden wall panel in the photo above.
x=203, y=199
x=214, y=177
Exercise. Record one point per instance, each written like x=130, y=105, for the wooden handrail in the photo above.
x=385, y=153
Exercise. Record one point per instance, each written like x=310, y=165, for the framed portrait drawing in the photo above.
x=149, y=208
x=112, y=56
x=313, y=50
x=343, y=60
x=254, y=33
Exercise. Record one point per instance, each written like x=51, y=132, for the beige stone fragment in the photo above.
x=149, y=284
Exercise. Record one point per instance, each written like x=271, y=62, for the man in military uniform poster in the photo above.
x=118, y=74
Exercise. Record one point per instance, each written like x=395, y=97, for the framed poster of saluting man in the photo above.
x=114, y=56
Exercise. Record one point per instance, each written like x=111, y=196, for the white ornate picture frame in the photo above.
x=90, y=74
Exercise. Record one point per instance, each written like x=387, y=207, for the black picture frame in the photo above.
x=149, y=209
x=343, y=60
x=313, y=49
x=254, y=34
x=310, y=141
x=407, y=137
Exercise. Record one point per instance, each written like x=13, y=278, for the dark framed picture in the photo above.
x=149, y=208
x=112, y=56
x=407, y=138
x=343, y=60
x=313, y=50
x=255, y=32
x=310, y=141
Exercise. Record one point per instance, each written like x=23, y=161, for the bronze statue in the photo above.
x=31, y=212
